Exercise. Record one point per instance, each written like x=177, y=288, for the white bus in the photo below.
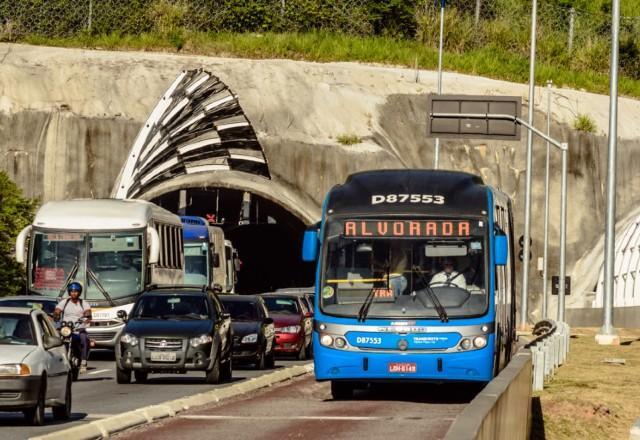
x=113, y=247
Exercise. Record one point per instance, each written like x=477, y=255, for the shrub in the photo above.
x=584, y=123
x=348, y=139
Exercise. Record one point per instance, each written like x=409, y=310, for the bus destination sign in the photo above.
x=411, y=228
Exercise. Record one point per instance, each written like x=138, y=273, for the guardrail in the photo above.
x=549, y=350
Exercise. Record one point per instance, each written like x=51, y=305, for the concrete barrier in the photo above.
x=110, y=425
x=503, y=409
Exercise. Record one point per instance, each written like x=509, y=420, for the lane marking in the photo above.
x=335, y=418
x=98, y=371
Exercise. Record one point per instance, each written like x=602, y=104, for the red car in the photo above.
x=293, y=322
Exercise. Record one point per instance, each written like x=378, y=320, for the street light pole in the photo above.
x=436, y=161
x=608, y=334
x=563, y=234
x=545, y=256
x=527, y=190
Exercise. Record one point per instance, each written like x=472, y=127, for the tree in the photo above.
x=16, y=212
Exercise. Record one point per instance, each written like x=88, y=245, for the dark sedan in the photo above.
x=253, y=330
x=293, y=323
x=173, y=330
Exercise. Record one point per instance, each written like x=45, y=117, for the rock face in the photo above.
x=69, y=117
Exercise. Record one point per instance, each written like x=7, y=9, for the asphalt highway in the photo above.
x=96, y=395
x=304, y=409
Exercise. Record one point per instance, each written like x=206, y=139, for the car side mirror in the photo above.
x=268, y=321
x=50, y=341
x=122, y=315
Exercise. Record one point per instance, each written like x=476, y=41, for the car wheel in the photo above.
x=123, y=376
x=260, y=360
x=271, y=359
x=227, y=371
x=63, y=412
x=302, y=354
x=213, y=375
x=341, y=390
x=35, y=415
x=141, y=376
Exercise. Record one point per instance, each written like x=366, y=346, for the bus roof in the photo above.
x=101, y=214
x=194, y=228
x=366, y=193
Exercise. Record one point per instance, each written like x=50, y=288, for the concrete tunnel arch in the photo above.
x=198, y=140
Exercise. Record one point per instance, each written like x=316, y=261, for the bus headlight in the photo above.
x=465, y=344
x=129, y=339
x=340, y=342
x=326, y=340
x=480, y=341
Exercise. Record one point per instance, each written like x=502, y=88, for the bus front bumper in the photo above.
x=334, y=364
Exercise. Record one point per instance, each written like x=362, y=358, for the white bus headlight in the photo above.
x=129, y=339
x=326, y=340
x=480, y=341
x=250, y=339
x=200, y=340
x=15, y=370
x=465, y=344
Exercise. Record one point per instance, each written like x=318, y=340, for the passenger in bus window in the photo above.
x=448, y=276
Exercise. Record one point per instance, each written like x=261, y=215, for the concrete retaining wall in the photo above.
x=503, y=409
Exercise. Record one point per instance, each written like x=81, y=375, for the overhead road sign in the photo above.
x=474, y=116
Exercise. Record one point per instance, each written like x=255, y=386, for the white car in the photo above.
x=34, y=370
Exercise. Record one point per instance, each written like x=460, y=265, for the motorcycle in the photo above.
x=71, y=339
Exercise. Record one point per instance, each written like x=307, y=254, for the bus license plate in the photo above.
x=402, y=367
x=163, y=356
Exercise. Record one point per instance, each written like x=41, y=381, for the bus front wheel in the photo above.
x=341, y=390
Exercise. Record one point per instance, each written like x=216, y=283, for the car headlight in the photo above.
x=15, y=370
x=129, y=339
x=65, y=331
x=200, y=340
x=289, y=329
x=250, y=339
x=480, y=341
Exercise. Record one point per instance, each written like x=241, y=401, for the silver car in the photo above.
x=34, y=370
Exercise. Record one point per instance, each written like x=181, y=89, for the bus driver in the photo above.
x=448, y=276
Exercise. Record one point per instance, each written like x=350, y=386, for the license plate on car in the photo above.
x=163, y=356
x=402, y=367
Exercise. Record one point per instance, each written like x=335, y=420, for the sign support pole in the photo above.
x=436, y=160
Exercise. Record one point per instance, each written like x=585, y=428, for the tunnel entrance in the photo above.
x=267, y=236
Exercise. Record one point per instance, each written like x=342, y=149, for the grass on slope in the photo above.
x=487, y=61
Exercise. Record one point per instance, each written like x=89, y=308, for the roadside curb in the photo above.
x=110, y=425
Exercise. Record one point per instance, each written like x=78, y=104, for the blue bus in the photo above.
x=415, y=280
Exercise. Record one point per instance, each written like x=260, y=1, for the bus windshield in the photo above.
x=105, y=261
x=196, y=264
x=407, y=268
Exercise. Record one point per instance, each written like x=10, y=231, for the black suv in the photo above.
x=173, y=329
x=253, y=330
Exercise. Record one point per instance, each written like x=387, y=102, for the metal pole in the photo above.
x=563, y=234
x=89, y=23
x=527, y=191
x=436, y=160
x=572, y=18
x=546, y=209
x=477, y=16
x=608, y=334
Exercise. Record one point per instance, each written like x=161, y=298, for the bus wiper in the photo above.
x=102, y=290
x=442, y=313
x=364, y=309
x=72, y=273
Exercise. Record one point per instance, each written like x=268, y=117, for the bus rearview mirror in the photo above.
x=21, y=243
x=153, y=239
x=501, y=250
x=310, y=245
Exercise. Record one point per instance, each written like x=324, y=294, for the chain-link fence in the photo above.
x=576, y=37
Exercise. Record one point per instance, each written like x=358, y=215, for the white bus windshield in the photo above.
x=196, y=264
x=402, y=265
x=112, y=262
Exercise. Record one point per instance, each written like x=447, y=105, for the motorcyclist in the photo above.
x=75, y=310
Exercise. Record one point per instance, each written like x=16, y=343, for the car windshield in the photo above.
x=16, y=329
x=196, y=264
x=46, y=306
x=287, y=306
x=171, y=306
x=242, y=310
x=405, y=268
x=109, y=261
